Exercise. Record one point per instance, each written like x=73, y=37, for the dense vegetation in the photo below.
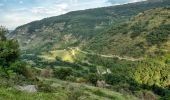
x=137, y=37
x=118, y=52
x=75, y=28
x=12, y=68
x=16, y=73
x=146, y=36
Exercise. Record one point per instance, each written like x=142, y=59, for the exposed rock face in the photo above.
x=27, y=88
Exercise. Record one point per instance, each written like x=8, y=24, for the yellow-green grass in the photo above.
x=13, y=94
x=65, y=55
x=88, y=92
x=64, y=91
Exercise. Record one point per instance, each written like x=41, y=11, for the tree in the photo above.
x=3, y=31
x=9, y=54
x=9, y=50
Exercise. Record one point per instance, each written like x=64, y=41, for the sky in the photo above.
x=14, y=13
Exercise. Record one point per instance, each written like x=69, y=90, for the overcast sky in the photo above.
x=17, y=12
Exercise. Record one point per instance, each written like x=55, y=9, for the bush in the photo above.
x=149, y=95
x=158, y=36
x=47, y=72
x=63, y=73
x=114, y=79
x=137, y=29
x=146, y=95
x=9, y=49
x=92, y=78
x=3, y=73
x=3, y=31
x=9, y=52
x=46, y=87
x=71, y=78
x=76, y=93
x=21, y=68
x=81, y=80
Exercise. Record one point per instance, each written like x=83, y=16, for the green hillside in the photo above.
x=89, y=54
x=75, y=28
x=146, y=34
x=15, y=74
x=64, y=91
x=133, y=56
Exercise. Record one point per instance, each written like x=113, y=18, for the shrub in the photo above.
x=3, y=31
x=156, y=37
x=159, y=35
x=149, y=95
x=47, y=72
x=92, y=78
x=76, y=93
x=63, y=73
x=137, y=29
x=100, y=93
x=9, y=52
x=71, y=78
x=81, y=80
x=3, y=73
x=21, y=68
x=46, y=87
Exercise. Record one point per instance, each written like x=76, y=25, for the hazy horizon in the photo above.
x=18, y=12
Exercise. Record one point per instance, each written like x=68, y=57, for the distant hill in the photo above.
x=78, y=27
x=146, y=34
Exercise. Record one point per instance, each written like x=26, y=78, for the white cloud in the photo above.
x=12, y=20
x=123, y=1
x=136, y=0
x=39, y=10
x=87, y=5
x=22, y=15
x=55, y=10
x=62, y=6
x=13, y=17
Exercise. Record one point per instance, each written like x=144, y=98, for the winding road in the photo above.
x=73, y=49
x=108, y=56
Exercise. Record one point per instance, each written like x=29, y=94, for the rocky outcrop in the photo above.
x=27, y=88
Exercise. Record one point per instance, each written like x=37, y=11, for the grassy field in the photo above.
x=12, y=94
x=65, y=55
x=64, y=91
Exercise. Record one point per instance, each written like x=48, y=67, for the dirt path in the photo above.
x=109, y=56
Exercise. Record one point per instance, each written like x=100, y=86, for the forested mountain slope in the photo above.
x=16, y=75
x=76, y=27
x=125, y=46
x=146, y=34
